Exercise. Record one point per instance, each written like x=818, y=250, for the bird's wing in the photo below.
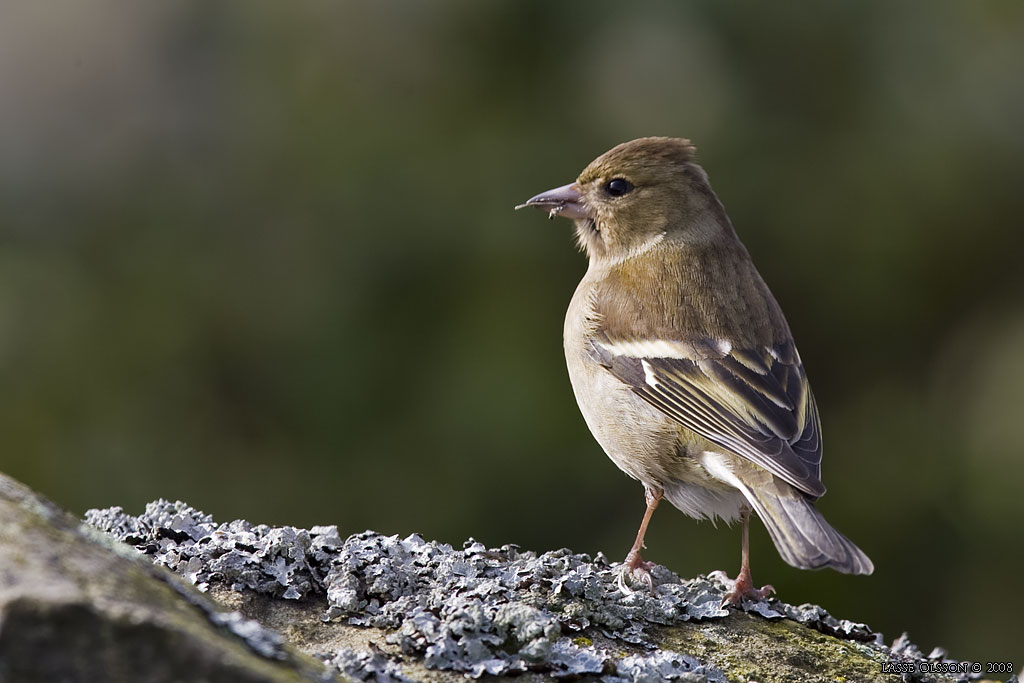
x=756, y=403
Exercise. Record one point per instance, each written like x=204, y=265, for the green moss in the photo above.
x=747, y=647
x=582, y=641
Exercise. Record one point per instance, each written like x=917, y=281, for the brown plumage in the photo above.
x=682, y=362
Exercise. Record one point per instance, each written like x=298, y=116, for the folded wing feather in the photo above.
x=755, y=403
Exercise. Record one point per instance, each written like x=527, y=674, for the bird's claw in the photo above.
x=739, y=588
x=634, y=568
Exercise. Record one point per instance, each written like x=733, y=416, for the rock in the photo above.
x=75, y=606
x=386, y=608
x=78, y=605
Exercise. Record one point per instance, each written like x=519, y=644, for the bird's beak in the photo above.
x=565, y=201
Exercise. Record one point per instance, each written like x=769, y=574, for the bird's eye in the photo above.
x=617, y=187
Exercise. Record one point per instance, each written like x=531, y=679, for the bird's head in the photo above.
x=636, y=196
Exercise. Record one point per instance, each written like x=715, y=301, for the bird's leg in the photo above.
x=743, y=587
x=634, y=566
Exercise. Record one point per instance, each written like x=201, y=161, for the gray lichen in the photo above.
x=266, y=642
x=367, y=666
x=473, y=610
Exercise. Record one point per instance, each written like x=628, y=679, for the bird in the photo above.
x=683, y=365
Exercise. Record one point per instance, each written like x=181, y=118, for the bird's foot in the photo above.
x=635, y=569
x=741, y=587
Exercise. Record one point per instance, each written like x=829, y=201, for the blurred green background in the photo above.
x=264, y=260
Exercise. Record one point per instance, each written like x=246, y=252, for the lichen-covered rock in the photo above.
x=75, y=606
x=388, y=608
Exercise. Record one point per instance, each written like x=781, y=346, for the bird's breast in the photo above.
x=639, y=439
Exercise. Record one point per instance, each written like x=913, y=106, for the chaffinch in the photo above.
x=683, y=365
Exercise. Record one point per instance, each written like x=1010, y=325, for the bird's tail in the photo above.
x=802, y=536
